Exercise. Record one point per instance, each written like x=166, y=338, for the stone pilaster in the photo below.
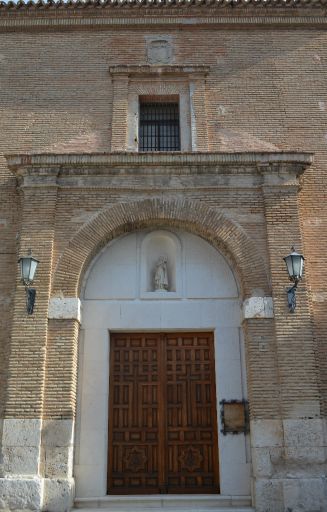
x=294, y=336
x=60, y=403
x=199, y=130
x=261, y=367
x=119, y=112
x=22, y=486
x=289, y=451
x=29, y=332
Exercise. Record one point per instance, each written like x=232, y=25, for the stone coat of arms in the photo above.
x=159, y=52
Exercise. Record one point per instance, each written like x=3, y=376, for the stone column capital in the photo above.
x=38, y=178
x=282, y=176
x=119, y=75
x=32, y=176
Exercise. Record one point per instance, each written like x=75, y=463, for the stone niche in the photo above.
x=160, y=246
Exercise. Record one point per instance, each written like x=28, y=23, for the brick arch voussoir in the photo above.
x=215, y=227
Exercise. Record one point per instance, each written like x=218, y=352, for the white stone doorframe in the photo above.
x=110, y=305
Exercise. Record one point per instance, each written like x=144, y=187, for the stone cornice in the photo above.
x=262, y=161
x=24, y=20
x=176, y=171
x=160, y=69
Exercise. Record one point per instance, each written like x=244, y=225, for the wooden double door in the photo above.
x=162, y=414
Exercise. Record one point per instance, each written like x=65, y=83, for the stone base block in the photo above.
x=21, y=494
x=57, y=448
x=20, y=460
x=36, y=494
x=289, y=465
x=58, y=494
x=57, y=433
x=20, y=448
x=268, y=495
x=291, y=495
x=309, y=494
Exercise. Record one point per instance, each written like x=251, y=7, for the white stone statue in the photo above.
x=161, y=275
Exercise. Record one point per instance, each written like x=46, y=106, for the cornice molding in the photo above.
x=166, y=158
x=14, y=22
x=157, y=171
x=158, y=69
x=262, y=161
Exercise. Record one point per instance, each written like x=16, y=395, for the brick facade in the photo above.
x=254, y=84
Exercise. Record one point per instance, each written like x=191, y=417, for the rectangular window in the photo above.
x=159, y=127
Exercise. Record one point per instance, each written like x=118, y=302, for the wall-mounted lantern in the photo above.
x=294, y=263
x=28, y=266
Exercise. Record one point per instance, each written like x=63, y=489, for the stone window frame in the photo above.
x=152, y=90
x=185, y=82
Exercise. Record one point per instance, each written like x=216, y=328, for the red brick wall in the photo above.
x=266, y=88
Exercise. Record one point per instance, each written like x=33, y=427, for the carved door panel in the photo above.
x=162, y=414
x=191, y=413
x=133, y=414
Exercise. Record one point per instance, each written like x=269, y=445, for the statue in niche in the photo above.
x=161, y=275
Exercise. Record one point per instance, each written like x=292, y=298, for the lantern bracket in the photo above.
x=30, y=299
x=291, y=297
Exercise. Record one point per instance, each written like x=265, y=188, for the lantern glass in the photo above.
x=33, y=267
x=294, y=263
x=28, y=266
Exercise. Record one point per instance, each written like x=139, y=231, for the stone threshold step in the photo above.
x=169, y=503
x=131, y=509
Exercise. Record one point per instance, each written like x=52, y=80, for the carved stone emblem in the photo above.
x=159, y=52
x=135, y=459
x=191, y=459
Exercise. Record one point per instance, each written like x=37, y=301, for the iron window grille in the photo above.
x=159, y=127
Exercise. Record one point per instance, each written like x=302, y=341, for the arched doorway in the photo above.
x=199, y=304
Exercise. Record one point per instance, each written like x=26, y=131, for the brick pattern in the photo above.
x=119, y=114
x=294, y=337
x=262, y=368
x=198, y=113
x=8, y=228
x=265, y=90
x=26, y=367
x=61, y=370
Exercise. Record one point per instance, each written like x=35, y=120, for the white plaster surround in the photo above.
x=258, y=307
x=113, y=300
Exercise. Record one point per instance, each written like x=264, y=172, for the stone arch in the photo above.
x=215, y=227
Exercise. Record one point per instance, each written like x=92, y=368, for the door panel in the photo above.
x=191, y=413
x=162, y=414
x=133, y=414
